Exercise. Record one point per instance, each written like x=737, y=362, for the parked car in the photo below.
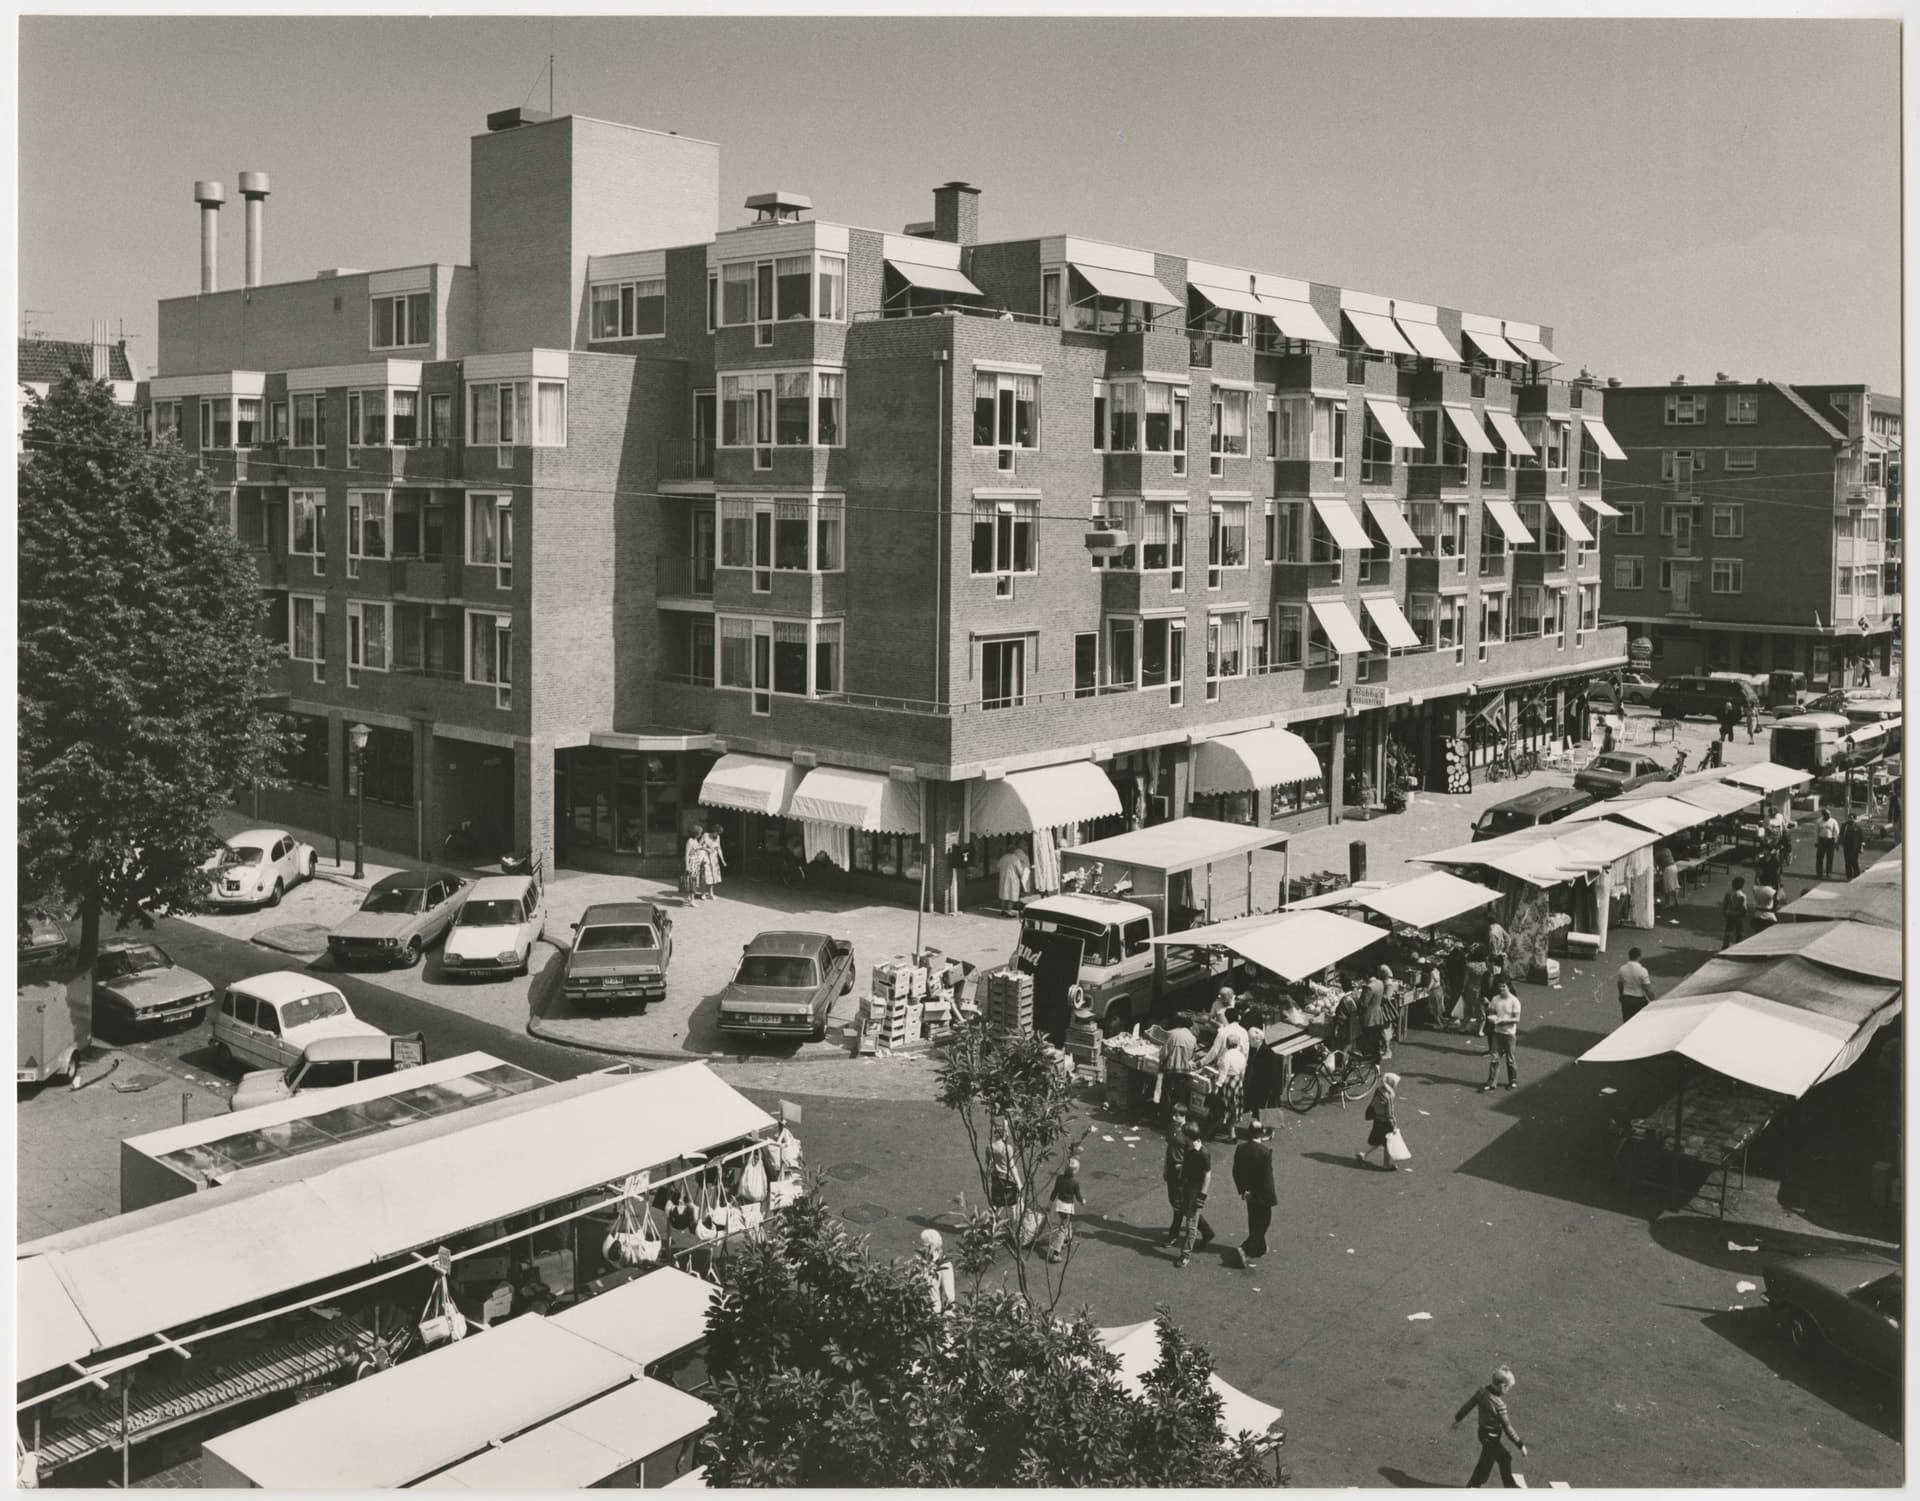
x=494, y=931
x=1702, y=697
x=402, y=914
x=136, y=984
x=42, y=939
x=258, y=866
x=620, y=952
x=1635, y=688
x=1826, y=703
x=1618, y=772
x=329, y=1063
x=270, y=1020
x=785, y=985
x=1848, y=1301
x=1542, y=805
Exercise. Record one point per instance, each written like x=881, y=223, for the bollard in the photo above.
x=1357, y=861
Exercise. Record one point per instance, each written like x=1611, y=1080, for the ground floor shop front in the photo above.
x=1829, y=658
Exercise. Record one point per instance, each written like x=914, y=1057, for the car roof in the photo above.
x=787, y=943
x=499, y=888
x=612, y=912
x=354, y=1048
x=411, y=880
x=1543, y=799
x=282, y=985
x=265, y=838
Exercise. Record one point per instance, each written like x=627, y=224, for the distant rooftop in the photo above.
x=50, y=360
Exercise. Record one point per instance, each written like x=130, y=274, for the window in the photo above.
x=1116, y=416
x=1376, y=452
x=829, y=534
x=630, y=310
x=1726, y=576
x=490, y=535
x=1228, y=437
x=216, y=422
x=1496, y=469
x=307, y=763
x=401, y=322
x=1559, y=442
x=386, y=768
x=1589, y=607
x=369, y=525
x=1729, y=520
x=1866, y=583
x=1526, y=612
x=307, y=524
x=1293, y=422
x=310, y=421
x=1005, y=410
x=1681, y=463
x=1164, y=423
x=1289, y=635
x=827, y=656
x=1226, y=649
x=1262, y=652
x=165, y=421
x=309, y=639
x=1743, y=408
x=784, y=408
x=1003, y=673
x=1632, y=520
x=369, y=629
x=1162, y=536
x=1162, y=653
x=1003, y=537
x=1553, y=621
x=1686, y=411
x=1226, y=540
x=1424, y=617
x=1179, y=435
x=1629, y=571
x=246, y=421
x=1050, y=296
x=1122, y=636
x=1493, y=620
x=1086, y=664
x=490, y=651
x=1288, y=542
x=439, y=417
x=1742, y=460
x=1589, y=461
x=792, y=409
x=1120, y=514
x=783, y=290
x=277, y=422
x=1273, y=431
x=832, y=303
x=771, y=534
x=1330, y=433
x=828, y=407
x=713, y=300
x=366, y=419
x=506, y=413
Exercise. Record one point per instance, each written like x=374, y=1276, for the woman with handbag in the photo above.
x=693, y=882
x=712, y=861
x=1386, y=1126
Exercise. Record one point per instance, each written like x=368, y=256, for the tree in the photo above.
x=142, y=666
x=831, y=1368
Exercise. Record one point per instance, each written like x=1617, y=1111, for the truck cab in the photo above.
x=1105, y=946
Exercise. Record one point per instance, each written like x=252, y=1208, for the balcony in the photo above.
x=1304, y=371
x=1296, y=581
x=1852, y=494
x=439, y=577
x=1436, y=383
x=1136, y=349
x=687, y=467
x=1542, y=398
x=439, y=461
x=1535, y=566
x=681, y=582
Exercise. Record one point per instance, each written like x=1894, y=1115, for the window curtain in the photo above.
x=551, y=428
x=1159, y=417
x=373, y=637
x=1026, y=400
x=736, y=293
x=827, y=839
x=1046, y=862
x=736, y=653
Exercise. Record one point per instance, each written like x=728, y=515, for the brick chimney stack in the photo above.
x=956, y=213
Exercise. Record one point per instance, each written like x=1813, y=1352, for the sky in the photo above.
x=1672, y=198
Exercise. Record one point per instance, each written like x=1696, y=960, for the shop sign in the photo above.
x=1640, y=650
x=1367, y=698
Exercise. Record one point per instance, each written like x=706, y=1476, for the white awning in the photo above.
x=1291, y=944
x=1297, y=320
x=1659, y=815
x=1431, y=899
x=1392, y=522
x=935, y=278
x=1530, y=346
x=1137, y=1348
x=753, y=784
x=866, y=800
x=647, y=1319
x=1394, y=629
x=1510, y=432
x=1719, y=798
x=1177, y=845
x=1427, y=338
x=1253, y=761
x=1043, y=798
x=1468, y=427
x=1235, y=299
x=1568, y=515
x=1509, y=522
x=1340, y=627
x=1598, y=506
x=1129, y=286
x=1609, y=448
x=1378, y=332
x=1768, y=776
x=1494, y=347
x=1342, y=525
x=1392, y=418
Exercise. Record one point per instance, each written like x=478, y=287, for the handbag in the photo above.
x=1397, y=1147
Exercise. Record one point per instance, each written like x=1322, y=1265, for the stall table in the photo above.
x=1719, y=1121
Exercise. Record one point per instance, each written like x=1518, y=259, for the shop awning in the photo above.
x=1042, y=798
x=1297, y=320
x=753, y=784
x=1508, y=520
x=1291, y=944
x=1468, y=427
x=1128, y=286
x=1598, y=506
x=1177, y=845
x=867, y=800
x=1234, y=299
x=1340, y=627
x=1348, y=534
x=647, y=1319
x=1137, y=1348
x=1493, y=346
x=1253, y=761
x=1392, y=624
x=1392, y=522
x=1426, y=337
x=1392, y=418
x=1608, y=444
x=935, y=278
x=1429, y=900
x=1661, y=815
x=1568, y=515
x=1510, y=432
x=1378, y=332
x=1768, y=776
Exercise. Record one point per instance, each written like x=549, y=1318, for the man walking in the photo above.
x=1826, y=840
x=1853, y=839
x=1494, y=1427
x=1253, y=1181
x=1176, y=1066
x=1503, y=1016
x=1171, y=1161
x=1733, y=912
x=1636, y=986
x=1196, y=1178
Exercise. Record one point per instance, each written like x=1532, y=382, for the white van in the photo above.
x=494, y=933
x=267, y=1021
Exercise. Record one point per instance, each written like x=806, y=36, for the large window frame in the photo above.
x=309, y=420
x=1003, y=670
x=1006, y=540
x=402, y=316
x=489, y=534
x=635, y=309
x=307, y=526
x=1726, y=576
x=369, y=528
x=1685, y=409
x=369, y=637
x=1742, y=408
x=1228, y=637
x=1230, y=414
x=802, y=406
x=779, y=289
x=1006, y=412
x=517, y=413
x=216, y=422
x=1330, y=433
x=307, y=632
x=1226, y=539
x=488, y=652
x=1629, y=570
x=770, y=657
x=768, y=534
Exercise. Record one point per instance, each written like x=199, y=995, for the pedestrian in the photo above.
x=1473, y=993
x=696, y=863
x=1176, y=1066
x=1826, y=840
x=1766, y=865
x=1172, y=1159
x=1636, y=986
x=1266, y=1072
x=1456, y=971
x=1753, y=720
x=1853, y=838
x=715, y=860
x=1196, y=1178
x=1729, y=717
x=1253, y=1181
x=1223, y=999
x=1067, y=1199
x=1866, y=672
x=1373, y=1015
x=1380, y=1111
x=1668, y=869
x=1003, y=1181
x=1228, y=1059
x=1619, y=690
x=1012, y=869
x=1503, y=1029
x=1766, y=905
x=1431, y=992
x=1606, y=738
x=1734, y=907
x=938, y=1271
x=1495, y=1429
x=1499, y=945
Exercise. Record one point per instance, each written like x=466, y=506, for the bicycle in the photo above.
x=1345, y=1072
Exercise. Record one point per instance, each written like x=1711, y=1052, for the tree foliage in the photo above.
x=142, y=666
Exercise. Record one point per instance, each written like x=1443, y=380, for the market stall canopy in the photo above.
x=1137, y=1347
x=646, y=1319
x=1718, y=798
x=1180, y=844
x=1344, y=896
x=1293, y=944
x=870, y=801
x=752, y=784
x=1660, y=815
x=1043, y=797
x=1875, y=897
x=1768, y=776
x=1856, y=948
x=1252, y=761
x=1549, y=853
x=1428, y=900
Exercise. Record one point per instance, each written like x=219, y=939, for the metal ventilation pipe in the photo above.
x=254, y=188
x=209, y=195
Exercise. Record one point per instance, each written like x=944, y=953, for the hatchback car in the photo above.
x=327, y=1064
x=42, y=939
x=785, y=985
x=494, y=931
x=136, y=984
x=269, y=1020
x=258, y=867
x=402, y=914
x=1618, y=772
x=620, y=953
x=1849, y=1302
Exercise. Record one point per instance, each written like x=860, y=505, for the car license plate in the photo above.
x=171, y=1016
x=768, y=1021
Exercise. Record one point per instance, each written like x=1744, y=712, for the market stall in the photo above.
x=1156, y=867
x=1137, y=1347
x=1425, y=902
x=1875, y=897
x=1292, y=945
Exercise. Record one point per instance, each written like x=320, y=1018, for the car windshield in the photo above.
x=1505, y=823
x=328, y=1075
x=396, y=900
x=616, y=935
x=498, y=913
x=242, y=854
x=783, y=971
x=311, y=1008
x=133, y=961
x=1098, y=940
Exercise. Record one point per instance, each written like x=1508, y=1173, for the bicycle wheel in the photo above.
x=1303, y=1090
x=1360, y=1079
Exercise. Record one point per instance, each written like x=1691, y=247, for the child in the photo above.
x=1067, y=1197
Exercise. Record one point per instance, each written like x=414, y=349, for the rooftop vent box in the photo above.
x=336, y=272
x=509, y=119
x=923, y=230
x=779, y=207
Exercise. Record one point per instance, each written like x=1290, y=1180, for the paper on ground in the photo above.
x=1743, y=1287
x=1413, y=1317
x=1732, y=1247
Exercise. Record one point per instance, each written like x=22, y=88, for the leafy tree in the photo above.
x=142, y=666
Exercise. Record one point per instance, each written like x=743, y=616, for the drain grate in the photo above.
x=865, y=1213
x=849, y=1172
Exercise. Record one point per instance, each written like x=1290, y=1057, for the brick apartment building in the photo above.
x=1760, y=525
x=906, y=543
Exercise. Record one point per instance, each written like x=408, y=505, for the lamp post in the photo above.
x=357, y=737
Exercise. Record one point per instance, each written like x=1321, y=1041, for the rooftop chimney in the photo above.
x=779, y=207
x=1678, y=380
x=1721, y=378
x=510, y=119
x=102, y=353
x=956, y=213
x=209, y=195
x=254, y=187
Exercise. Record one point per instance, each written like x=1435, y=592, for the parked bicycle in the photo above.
x=1324, y=1072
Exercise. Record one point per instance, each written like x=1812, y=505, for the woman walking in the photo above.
x=695, y=883
x=1380, y=1110
x=713, y=861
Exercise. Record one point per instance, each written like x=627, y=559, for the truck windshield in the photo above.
x=1102, y=942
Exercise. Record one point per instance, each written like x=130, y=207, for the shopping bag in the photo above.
x=1032, y=1222
x=1397, y=1147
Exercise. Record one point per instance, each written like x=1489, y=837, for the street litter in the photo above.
x=1609, y=1090
x=1414, y=1316
x=1743, y=1287
x=1426, y=1112
x=1349, y=1250
x=1732, y=1247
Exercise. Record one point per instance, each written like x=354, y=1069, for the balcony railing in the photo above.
x=681, y=577
x=953, y=310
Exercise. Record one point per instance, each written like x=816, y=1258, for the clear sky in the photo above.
x=1673, y=197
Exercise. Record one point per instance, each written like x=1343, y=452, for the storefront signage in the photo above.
x=1367, y=698
x=1640, y=650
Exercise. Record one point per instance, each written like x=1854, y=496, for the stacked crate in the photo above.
x=898, y=1022
x=1010, y=1001
x=1083, y=1046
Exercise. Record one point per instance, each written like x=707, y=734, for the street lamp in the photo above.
x=357, y=738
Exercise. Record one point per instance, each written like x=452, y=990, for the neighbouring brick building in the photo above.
x=898, y=547
x=43, y=363
x=1760, y=525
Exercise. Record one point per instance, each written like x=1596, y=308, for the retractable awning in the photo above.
x=1394, y=629
x=867, y=800
x=1525, y=337
x=1297, y=320
x=1598, y=506
x=1253, y=761
x=1392, y=418
x=1340, y=627
x=1510, y=432
x=1424, y=333
x=1508, y=520
x=1428, y=900
x=1392, y=522
x=1494, y=347
x=1235, y=299
x=935, y=278
x=752, y=784
x=1468, y=427
x=1568, y=515
x=1348, y=534
x=1128, y=286
x=1609, y=448
x=1378, y=332
x=1042, y=798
